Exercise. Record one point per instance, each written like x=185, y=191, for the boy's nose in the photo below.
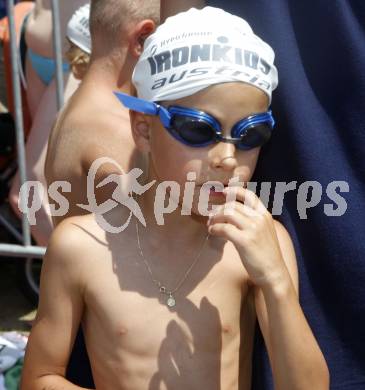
x=223, y=156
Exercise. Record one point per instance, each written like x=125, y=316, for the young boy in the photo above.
x=78, y=36
x=93, y=119
x=173, y=305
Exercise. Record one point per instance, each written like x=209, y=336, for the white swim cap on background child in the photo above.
x=78, y=31
x=199, y=48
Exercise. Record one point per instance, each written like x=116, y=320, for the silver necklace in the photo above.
x=170, y=301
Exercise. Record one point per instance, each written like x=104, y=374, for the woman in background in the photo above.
x=40, y=68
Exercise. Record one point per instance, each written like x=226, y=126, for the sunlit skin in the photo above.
x=220, y=162
x=93, y=124
x=247, y=269
x=42, y=104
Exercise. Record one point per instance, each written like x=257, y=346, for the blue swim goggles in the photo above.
x=198, y=129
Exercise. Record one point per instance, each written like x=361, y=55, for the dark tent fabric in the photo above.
x=320, y=136
x=3, y=9
x=79, y=369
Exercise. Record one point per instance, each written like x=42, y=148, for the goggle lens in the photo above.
x=192, y=131
x=196, y=128
x=196, y=132
x=255, y=136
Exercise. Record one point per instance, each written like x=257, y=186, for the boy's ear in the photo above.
x=141, y=127
x=139, y=34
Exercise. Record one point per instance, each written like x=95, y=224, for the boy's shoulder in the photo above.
x=74, y=239
x=83, y=236
x=77, y=246
x=69, y=247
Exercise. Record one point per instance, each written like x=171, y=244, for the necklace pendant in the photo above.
x=171, y=301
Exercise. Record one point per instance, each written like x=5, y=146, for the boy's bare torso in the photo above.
x=136, y=342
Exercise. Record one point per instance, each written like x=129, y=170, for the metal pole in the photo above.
x=22, y=251
x=57, y=50
x=18, y=116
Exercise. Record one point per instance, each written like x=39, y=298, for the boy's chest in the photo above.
x=128, y=306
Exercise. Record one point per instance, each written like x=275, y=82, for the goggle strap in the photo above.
x=136, y=104
x=144, y=106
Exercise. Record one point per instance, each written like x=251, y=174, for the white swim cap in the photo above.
x=199, y=48
x=78, y=31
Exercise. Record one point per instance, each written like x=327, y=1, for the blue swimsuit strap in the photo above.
x=45, y=67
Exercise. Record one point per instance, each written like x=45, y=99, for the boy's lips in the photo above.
x=211, y=190
x=215, y=192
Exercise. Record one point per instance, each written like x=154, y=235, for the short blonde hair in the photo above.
x=78, y=60
x=110, y=17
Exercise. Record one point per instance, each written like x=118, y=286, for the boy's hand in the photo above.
x=247, y=223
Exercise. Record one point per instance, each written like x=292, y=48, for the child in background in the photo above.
x=78, y=35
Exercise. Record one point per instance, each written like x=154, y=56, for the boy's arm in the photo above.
x=172, y=7
x=267, y=253
x=291, y=346
x=58, y=317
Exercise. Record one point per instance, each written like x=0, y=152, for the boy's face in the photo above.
x=170, y=160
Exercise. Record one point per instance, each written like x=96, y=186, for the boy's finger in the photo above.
x=245, y=196
x=237, y=220
x=238, y=207
x=226, y=230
